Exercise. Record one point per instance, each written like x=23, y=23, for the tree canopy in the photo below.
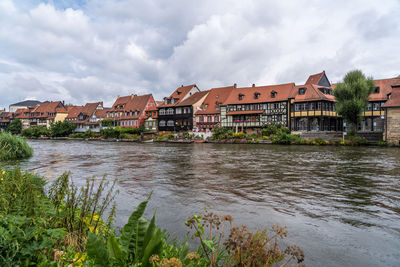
x=352, y=97
x=15, y=127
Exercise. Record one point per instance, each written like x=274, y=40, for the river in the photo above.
x=341, y=204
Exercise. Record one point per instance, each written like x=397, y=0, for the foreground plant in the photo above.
x=242, y=247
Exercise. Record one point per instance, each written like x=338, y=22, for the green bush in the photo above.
x=319, y=141
x=78, y=135
x=107, y=123
x=15, y=127
x=62, y=129
x=355, y=141
x=166, y=137
x=13, y=147
x=270, y=129
x=382, y=143
x=35, y=132
x=130, y=136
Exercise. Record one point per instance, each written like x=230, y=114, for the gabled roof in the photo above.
x=101, y=113
x=74, y=111
x=282, y=91
x=394, y=100
x=178, y=94
x=312, y=93
x=193, y=99
x=123, y=100
x=50, y=107
x=315, y=78
x=216, y=95
x=385, y=88
x=131, y=103
x=27, y=103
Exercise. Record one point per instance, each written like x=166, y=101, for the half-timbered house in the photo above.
x=251, y=108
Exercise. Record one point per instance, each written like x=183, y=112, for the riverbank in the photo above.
x=301, y=142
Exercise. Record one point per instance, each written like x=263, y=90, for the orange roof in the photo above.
x=102, y=113
x=216, y=95
x=74, y=111
x=385, y=88
x=312, y=93
x=315, y=78
x=193, y=99
x=49, y=107
x=394, y=100
x=178, y=94
x=282, y=91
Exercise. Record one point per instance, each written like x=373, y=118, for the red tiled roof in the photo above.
x=315, y=78
x=193, y=99
x=49, y=107
x=312, y=93
x=178, y=94
x=244, y=112
x=74, y=111
x=216, y=95
x=102, y=113
x=385, y=88
x=283, y=92
x=394, y=100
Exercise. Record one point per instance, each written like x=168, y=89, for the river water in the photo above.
x=341, y=204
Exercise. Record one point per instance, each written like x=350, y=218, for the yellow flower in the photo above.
x=2, y=178
x=4, y=172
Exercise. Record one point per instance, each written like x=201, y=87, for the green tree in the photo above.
x=15, y=127
x=352, y=97
x=60, y=129
x=107, y=123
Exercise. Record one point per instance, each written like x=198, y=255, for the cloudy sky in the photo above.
x=91, y=50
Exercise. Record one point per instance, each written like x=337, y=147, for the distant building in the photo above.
x=23, y=104
x=208, y=115
x=130, y=111
x=82, y=116
x=5, y=119
x=47, y=113
x=170, y=115
x=392, y=121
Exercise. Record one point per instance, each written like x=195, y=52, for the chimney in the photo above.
x=182, y=85
x=234, y=85
x=253, y=85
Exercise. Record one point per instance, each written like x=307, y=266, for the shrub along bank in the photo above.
x=277, y=134
x=63, y=226
x=13, y=147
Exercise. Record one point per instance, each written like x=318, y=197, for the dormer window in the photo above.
x=302, y=91
x=376, y=90
x=165, y=101
x=136, y=112
x=217, y=106
x=178, y=92
x=256, y=95
x=216, y=96
x=205, y=106
x=241, y=96
x=273, y=94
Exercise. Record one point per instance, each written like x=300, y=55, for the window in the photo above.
x=136, y=112
x=376, y=91
x=209, y=119
x=162, y=111
x=162, y=123
x=256, y=95
x=205, y=106
x=170, y=123
x=217, y=106
x=178, y=110
x=369, y=107
x=216, y=119
x=273, y=94
x=173, y=101
x=165, y=101
x=170, y=111
x=302, y=91
x=241, y=96
x=376, y=106
x=201, y=119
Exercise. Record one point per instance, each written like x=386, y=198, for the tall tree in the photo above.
x=15, y=127
x=352, y=97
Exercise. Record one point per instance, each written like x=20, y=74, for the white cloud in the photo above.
x=108, y=48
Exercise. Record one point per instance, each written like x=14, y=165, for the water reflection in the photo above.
x=341, y=204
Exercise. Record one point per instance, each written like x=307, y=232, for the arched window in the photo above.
x=162, y=123
x=170, y=123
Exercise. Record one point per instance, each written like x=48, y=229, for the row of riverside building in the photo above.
x=307, y=109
